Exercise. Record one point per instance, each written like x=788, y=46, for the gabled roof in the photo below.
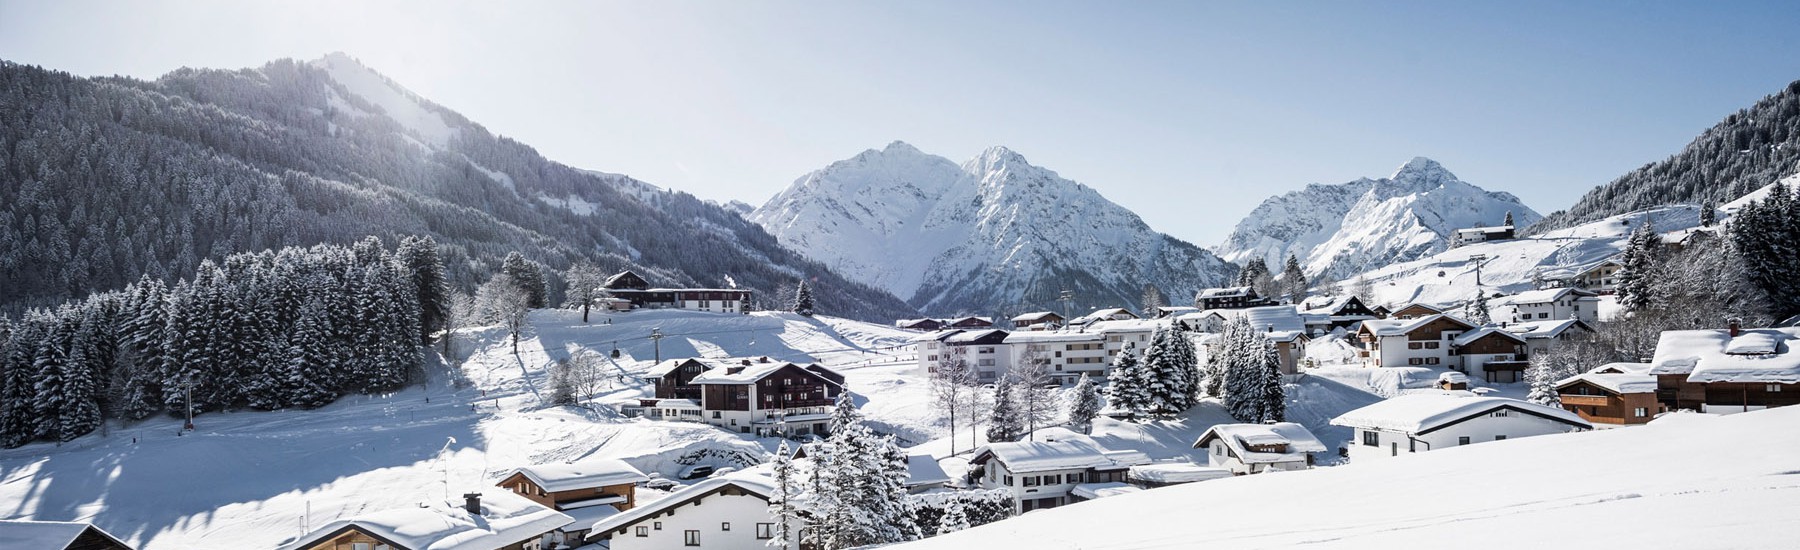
x=1103, y=315
x=581, y=475
x=662, y=369
x=1037, y=316
x=1760, y=355
x=1470, y=337
x=972, y=336
x=1239, y=437
x=1616, y=383
x=1546, y=329
x=1423, y=305
x=923, y=469
x=1069, y=451
x=751, y=483
x=1225, y=292
x=625, y=280
x=1400, y=327
x=937, y=336
x=47, y=535
x=1622, y=368
x=739, y=374
x=1543, y=296
x=1423, y=413
x=506, y=518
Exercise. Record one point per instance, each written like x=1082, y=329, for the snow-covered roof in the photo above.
x=673, y=403
x=1453, y=377
x=937, y=336
x=988, y=320
x=1707, y=355
x=505, y=519
x=923, y=469
x=707, y=363
x=1470, y=337
x=1625, y=368
x=755, y=482
x=1113, y=326
x=1092, y=491
x=741, y=374
x=1165, y=473
x=1226, y=292
x=1613, y=382
x=1175, y=310
x=1543, y=296
x=1112, y=313
x=1421, y=413
x=1488, y=229
x=1239, y=437
x=586, y=517
x=1067, y=452
x=581, y=475
x=1272, y=318
x=1035, y=316
x=48, y=535
x=1544, y=329
x=1398, y=327
x=971, y=336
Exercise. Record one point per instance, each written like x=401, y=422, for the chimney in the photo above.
x=1734, y=325
x=472, y=503
x=746, y=362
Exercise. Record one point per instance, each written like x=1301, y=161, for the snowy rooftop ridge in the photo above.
x=45, y=534
x=1620, y=383
x=1240, y=437
x=584, y=474
x=1714, y=355
x=506, y=518
x=1421, y=413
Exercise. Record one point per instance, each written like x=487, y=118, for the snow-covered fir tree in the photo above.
x=1709, y=214
x=1256, y=274
x=1293, y=281
x=1477, y=309
x=1245, y=372
x=1173, y=372
x=782, y=503
x=803, y=300
x=1084, y=405
x=1543, y=386
x=418, y=259
x=954, y=520
x=1636, y=275
x=529, y=277
x=1004, y=422
x=1127, y=388
x=1274, y=395
x=859, y=494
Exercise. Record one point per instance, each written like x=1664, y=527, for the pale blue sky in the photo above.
x=1189, y=113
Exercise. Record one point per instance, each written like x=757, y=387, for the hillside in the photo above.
x=1750, y=149
x=105, y=179
x=1339, y=230
x=995, y=235
x=1607, y=488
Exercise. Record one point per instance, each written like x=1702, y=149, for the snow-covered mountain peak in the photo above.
x=1339, y=230
x=993, y=235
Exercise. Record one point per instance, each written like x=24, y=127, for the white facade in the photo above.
x=1548, y=305
x=1034, y=490
x=722, y=519
x=1219, y=456
x=1417, y=423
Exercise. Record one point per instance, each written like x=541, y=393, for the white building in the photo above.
x=1067, y=353
x=1472, y=235
x=983, y=350
x=1257, y=448
x=731, y=512
x=1421, y=422
x=1413, y=342
x=1042, y=473
x=1543, y=336
x=1550, y=304
x=766, y=398
x=498, y=520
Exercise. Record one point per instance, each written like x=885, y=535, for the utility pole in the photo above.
x=656, y=337
x=1068, y=299
x=1478, y=259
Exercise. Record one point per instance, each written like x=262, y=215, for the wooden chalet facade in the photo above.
x=1229, y=298
x=586, y=491
x=630, y=286
x=1413, y=311
x=924, y=325
x=776, y=398
x=1618, y=399
x=1727, y=370
x=1042, y=320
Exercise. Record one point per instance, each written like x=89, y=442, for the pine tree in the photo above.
x=1509, y=219
x=1274, y=395
x=1640, y=260
x=1293, y=281
x=1003, y=422
x=1084, y=405
x=860, y=486
x=18, y=403
x=781, y=503
x=312, y=354
x=1543, y=386
x=529, y=277
x=1709, y=214
x=1477, y=309
x=1256, y=274
x=955, y=519
x=1173, y=373
x=803, y=300
x=1126, y=387
x=55, y=399
x=1244, y=374
x=418, y=256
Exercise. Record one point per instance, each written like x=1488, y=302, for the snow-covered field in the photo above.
x=249, y=479
x=1734, y=484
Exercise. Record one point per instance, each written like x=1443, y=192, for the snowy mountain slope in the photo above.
x=249, y=479
x=1342, y=229
x=994, y=235
x=1606, y=488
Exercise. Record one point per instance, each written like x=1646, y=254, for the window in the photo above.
x=691, y=537
x=1415, y=345
x=1501, y=414
x=1464, y=440
x=1372, y=440
x=1773, y=388
x=1031, y=481
x=360, y=546
x=658, y=525
x=1075, y=478
x=1409, y=361
x=724, y=526
x=1431, y=360
x=1543, y=316
x=715, y=414
x=765, y=531
x=985, y=363
x=1008, y=481
x=643, y=531
x=1499, y=437
x=1640, y=412
x=1431, y=345
x=1052, y=480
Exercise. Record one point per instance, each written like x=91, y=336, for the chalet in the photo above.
x=1548, y=304
x=1340, y=312
x=1600, y=277
x=1617, y=399
x=1381, y=312
x=1108, y=314
x=1042, y=473
x=586, y=491
x=1236, y=297
x=1543, y=336
x=769, y=399
x=503, y=521
x=720, y=512
x=1419, y=422
x=982, y=350
x=1256, y=448
x=1727, y=370
x=674, y=379
x=1414, y=310
x=1282, y=326
x=925, y=325
x=1042, y=320
x=1496, y=354
x=969, y=323
x=1414, y=342
x=56, y=535
x=630, y=286
x=1472, y=235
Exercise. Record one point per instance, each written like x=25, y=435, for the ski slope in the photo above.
x=1734, y=485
